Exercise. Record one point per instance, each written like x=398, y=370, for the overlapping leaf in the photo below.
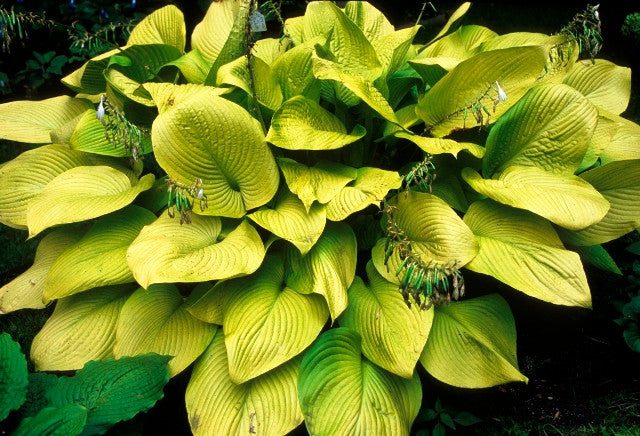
x=100, y=257
x=622, y=143
x=524, y=251
x=199, y=138
x=568, y=201
x=393, y=335
x=265, y=405
x=436, y=233
x=69, y=419
x=156, y=321
x=83, y=193
x=13, y=376
x=210, y=35
x=163, y=26
x=472, y=344
x=26, y=290
x=328, y=269
x=167, y=251
x=550, y=127
x=274, y=334
x=82, y=328
x=370, y=187
x=371, y=21
x=342, y=393
x=439, y=145
x=263, y=82
x=302, y=124
x=294, y=69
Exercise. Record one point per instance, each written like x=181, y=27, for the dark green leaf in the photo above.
x=13, y=376
x=466, y=418
x=446, y=420
x=39, y=384
x=67, y=420
x=426, y=415
x=439, y=430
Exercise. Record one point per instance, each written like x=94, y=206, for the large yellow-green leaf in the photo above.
x=261, y=322
x=371, y=21
x=82, y=328
x=619, y=183
x=436, y=233
x=88, y=78
x=167, y=251
x=302, y=124
x=162, y=26
x=352, y=50
x=100, y=257
x=211, y=34
x=453, y=20
x=319, y=183
x=167, y=96
x=83, y=193
x=604, y=83
x=568, y=201
x=291, y=221
x=393, y=335
x=192, y=65
x=342, y=393
x=370, y=187
x=361, y=87
x=439, y=145
x=523, y=250
x=89, y=135
x=213, y=139
x=24, y=177
x=156, y=321
x=294, y=69
x=472, y=344
x=392, y=49
x=550, y=128
x=513, y=39
x=473, y=80
x=459, y=44
x=127, y=93
x=623, y=143
x=265, y=405
x=601, y=139
x=270, y=49
x=265, y=83
x=25, y=291
x=294, y=27
x=328, y=269
x=33, y=121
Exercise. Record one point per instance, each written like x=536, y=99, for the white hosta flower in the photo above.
x=100, y=110
x=502, y=96
x=200, y=194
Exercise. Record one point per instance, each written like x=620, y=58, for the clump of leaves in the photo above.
x=286, y=145
x=441, y=418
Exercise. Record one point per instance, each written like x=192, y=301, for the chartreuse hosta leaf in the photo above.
x=604, y=83
x=370, y=187
x=361, y=87
x=25, y=291
x=22, y=178
x=265, y=405
x=436, y=233
x=82, y=328
x=459, y=44
x=393, y=335
x=201, y=138
x=270, y=49
x=83, y=193
x=156, y=321
x=454, y=19
x=167, y=96
x=100, y=257
x=319, y=183
x=328, y=269
x=163, y=26
x=265, y=84
x=113, y=390
x=261, y=315
x=210, y=35
x=89, y=78
x=291, y=221
x=568, y=201
x=89, y=136
x=294, y=70
x=191, y=65
x=601, y=139
x=13, y=376
x=623, y=141
x=392, y=49
x=33, y=121
x=550, y=127
x=440, y=145
x=472, y=344
x=473, y=80
x=372, y=22
x=513, y=39
x=302, y=124
x=69, y=419
x=167, y=251
x=352, y=50
x=523, y=250
x=619, y=183
x=340, y=392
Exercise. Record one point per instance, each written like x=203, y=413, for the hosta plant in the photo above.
x=295, y=216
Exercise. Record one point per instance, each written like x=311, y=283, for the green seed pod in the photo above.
x=401, y=267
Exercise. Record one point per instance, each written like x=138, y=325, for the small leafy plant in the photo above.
x=215, y=205
x=442, y=418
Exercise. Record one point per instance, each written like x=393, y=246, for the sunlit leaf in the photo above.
x=162, y=26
